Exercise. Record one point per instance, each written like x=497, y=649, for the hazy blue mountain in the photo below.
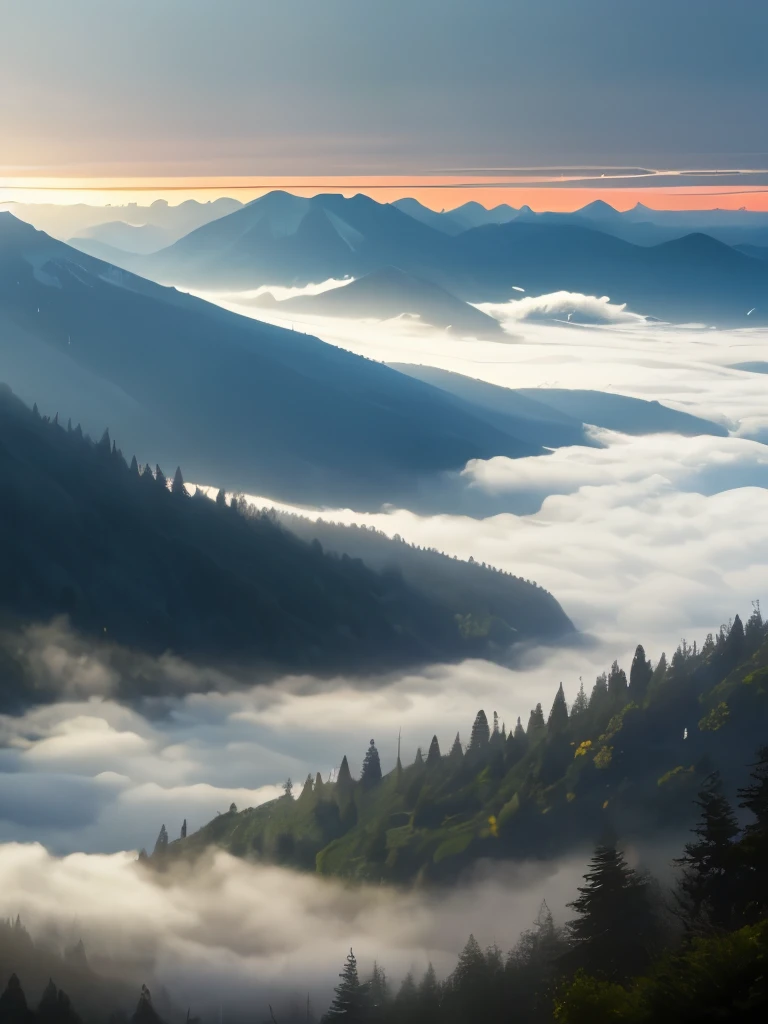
x=462, y=218
x=68, y=221
x=131, y=238
x=284, y=239
x=505, y=408
x=103, y=251
x=757, y=252
x=121, y=554
x=391, y=292
x=555, y=417
x=239, y=403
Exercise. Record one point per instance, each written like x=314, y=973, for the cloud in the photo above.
x=568, y=306
x=227, y=929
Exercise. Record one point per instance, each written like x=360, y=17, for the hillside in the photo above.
x=239, y=403
x=391, y=292
x=630, y=755
x=132, y=562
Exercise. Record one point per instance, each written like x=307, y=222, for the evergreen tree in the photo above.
x=147, y=474
x=517, y=745
x=537, y=727
x=418, y=761
x=754, y=630
x=708, y=886
x=36, y=414
x=433, y=757
x=318, y=785
x=105, y=444
x=534, y=965
x=344, y=785
x=13, y=1003
x=616, y=930
x=406, y=1004
x=184, y=829
x=639, y=676
x=456, y=755
x=599, y=695
x=349, y=1002
x=495, y=739
x=160, y=478
x=145, y=1012
x=468, y=982
x=581, y=703
x=617, y=684
x=428, y=998
x=233, y=806
x=134, y=467
x=558, y=716
x=378, y=995
x=161, y=844
x=288, y=789
x=307, y=789
x=481, y=734
x=177, y=487
x=754, y=845
x=221, y=498
x=371, y=773
x=55, y=1007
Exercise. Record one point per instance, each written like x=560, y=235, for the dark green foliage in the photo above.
x=160, y=479
x=158, y=574
x=558, y=716
x=350, y=1003
x=639, y=676
x=754, y=844
x=616, y=931
x=581, y=703
x=13, y=1004
x=456, y=755
x=371, y=772
x=468, y=982
x=55, y=1007
x=537, y=727
x=287, y=790
x=710, y=880
x=344, y=783
x=161, y=844
x=480, y=736
x=177, y=487
x=534, y=967
x=617, y=684
x=433, y=756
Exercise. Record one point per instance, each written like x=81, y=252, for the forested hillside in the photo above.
x=632, y=753
x=130, y=557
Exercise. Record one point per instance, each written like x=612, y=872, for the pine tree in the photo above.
x=617, y=684
x=639, y=676
x=145, y=1012
x=581, y=703
x=378, y=995
x=481, y=734
x=307, y=789
x=160, y=478
x=616, y=931
x=599, y=695
x=147, y=474
x=184, y=829
x=433, y=757
x=344, y=785
x=221, y=498
x=349, y=1002
x=407, y=1002
x=558, y=716
x=428, y=998
x=495, y=739
x=468, y=982
x=55, y=1007
x=161, y=844
x=537, y=727
x=134, y=467
x=177, y=487
x=456, y=755
x=13, y=1003
x=288, y=789
x=517, y=745
x=371, y=773
x=754, y=844
x=318, y=785
x=105, y=444
x=708, y=886
x=418, y=761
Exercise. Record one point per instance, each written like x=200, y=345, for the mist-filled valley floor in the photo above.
x=414, y=510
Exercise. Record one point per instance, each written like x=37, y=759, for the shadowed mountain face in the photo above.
x=556, y=417
x=237, y=402
x=391, y=292
x=133, y=562
x=286, y=240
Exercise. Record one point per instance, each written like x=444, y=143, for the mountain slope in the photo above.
x=628, y=757
x=241, y=404
x=132, y=562
x=391, y=292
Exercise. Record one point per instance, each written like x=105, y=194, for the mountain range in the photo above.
x=281, y=239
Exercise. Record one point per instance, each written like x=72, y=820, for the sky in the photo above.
x=155, y=89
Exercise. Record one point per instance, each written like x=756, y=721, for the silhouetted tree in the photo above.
x=13, y=1003
x=468, y=982
x=616, y=931
x=288, y=789
x=221, y=498
x=161, y=845
x=428, y=998
x=160, y=477
x=371, y=772
x=617, y=683
x=639, y=676
x=480, y=734
x=134, y=467
x=184, y=829
x=418, y=761
x=537, y=727
x=349, y=1002
x=457, y=754
x=433, y=756
x=708, y=886
x=177, y=487
x=754, y=844
x=558, y=716
x=581, y=703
